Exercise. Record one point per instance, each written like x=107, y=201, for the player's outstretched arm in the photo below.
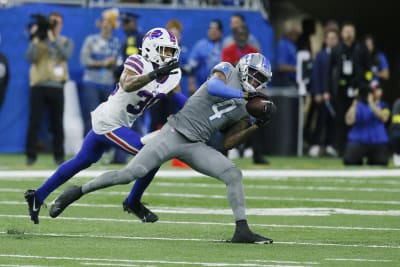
x=132, y=81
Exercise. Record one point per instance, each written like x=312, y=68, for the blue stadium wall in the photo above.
x=80, y=22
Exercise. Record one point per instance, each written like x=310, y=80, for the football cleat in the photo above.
x=247, y=236
x=140, y=211
x=33, y=205
x=70, y=194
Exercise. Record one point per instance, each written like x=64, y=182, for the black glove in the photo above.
x=164, y=69
x=251, y=95
x=268, y=113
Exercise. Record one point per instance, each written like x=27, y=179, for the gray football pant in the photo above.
x=170, y=144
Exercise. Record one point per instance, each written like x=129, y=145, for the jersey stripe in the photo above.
x=122, y=143
x=133, y=66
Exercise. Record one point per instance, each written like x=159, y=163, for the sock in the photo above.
x=62, y=174
x=139, y=187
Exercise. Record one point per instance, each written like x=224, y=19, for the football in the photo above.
x=256, y=107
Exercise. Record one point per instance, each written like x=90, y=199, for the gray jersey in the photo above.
x=204, y=114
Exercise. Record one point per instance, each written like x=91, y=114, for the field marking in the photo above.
x=299, y=211
x=4, y=174
x=259, y=187
x=366, y=260
x=118, y=262
x=19, y=265
x=199, y=240
x=130, y=221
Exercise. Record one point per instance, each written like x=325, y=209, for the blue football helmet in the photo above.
x=254, y=72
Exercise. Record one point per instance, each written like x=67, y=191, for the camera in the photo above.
x=43, y=26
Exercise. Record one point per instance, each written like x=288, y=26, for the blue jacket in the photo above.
x=320, y=73
x=367, y=128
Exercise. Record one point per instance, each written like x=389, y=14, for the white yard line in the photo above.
x=259, y=187
x=4, y=174
x=362, y=260
x=130, y=221
x=299, y=211
x=122, y=262
x=200, y=240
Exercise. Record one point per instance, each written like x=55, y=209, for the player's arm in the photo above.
x=217, y=87
x=132, y=80
x=239, y=133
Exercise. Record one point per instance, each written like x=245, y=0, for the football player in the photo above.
x=219, y=104
x=145, y=79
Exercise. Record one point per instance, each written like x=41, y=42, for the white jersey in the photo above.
x=122, y=108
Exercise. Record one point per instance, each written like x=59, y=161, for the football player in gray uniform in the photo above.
x=219, y=104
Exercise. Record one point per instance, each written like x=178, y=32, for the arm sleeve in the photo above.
x=85, y=57
x=179, y=99
x=32, y=52
x=216, y=87
x=64, y=47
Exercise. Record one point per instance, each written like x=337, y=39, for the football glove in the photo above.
x=164, y=69
x=268, y=113
x=250, y=95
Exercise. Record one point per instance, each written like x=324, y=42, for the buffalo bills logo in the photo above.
x=172, y=37
x=153, y=34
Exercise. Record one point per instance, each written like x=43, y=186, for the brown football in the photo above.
x=256, y=106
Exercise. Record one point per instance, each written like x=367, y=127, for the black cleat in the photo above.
x=250, y=237
x=70, y=194
x=33, y=205
x=140, y=211
x=244, y=235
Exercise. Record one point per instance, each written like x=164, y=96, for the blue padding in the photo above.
x=216, y=87
x=78, y=23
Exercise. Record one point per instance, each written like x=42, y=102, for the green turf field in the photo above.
x=347, y=217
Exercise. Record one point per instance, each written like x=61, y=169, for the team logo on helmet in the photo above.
x=153, y=34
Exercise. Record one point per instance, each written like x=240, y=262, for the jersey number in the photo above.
x=148, y=100
x=221, y=108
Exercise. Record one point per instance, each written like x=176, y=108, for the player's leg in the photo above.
x=150, y=157
x=212, y=163
x=90, y=152
x=132, y=203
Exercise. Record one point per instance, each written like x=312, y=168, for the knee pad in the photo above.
x=135, y=171
x=231, y=175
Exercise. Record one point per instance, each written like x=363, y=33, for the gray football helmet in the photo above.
x=254, y=72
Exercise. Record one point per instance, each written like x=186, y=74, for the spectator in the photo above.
x=394, y=133
x=367, y=137
x=99, y=56
x=232, y=53
x=378, y=63
x=322, y=134
x=237, y=20
x=348, y=65
x=286, y=55
x=205, y=54
x=48, y=52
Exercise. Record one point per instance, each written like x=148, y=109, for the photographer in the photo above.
x=367, y=137
x=48, y=52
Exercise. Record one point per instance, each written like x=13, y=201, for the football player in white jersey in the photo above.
x=144, y=80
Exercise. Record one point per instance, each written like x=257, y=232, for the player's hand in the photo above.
x=164, y=69
x=250, y=95
x=268, y=113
